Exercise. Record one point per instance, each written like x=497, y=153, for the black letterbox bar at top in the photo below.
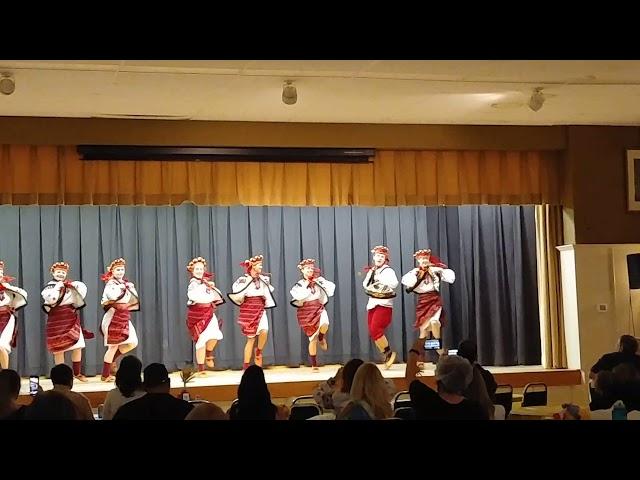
x=231, y=154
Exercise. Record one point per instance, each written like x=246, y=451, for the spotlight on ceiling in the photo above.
x=289, y=93
x=537, y=99
x=7, y=84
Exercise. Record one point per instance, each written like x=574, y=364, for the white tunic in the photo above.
x=427, y=284
x=384, y=276
x=245, y=286
x=51, y=294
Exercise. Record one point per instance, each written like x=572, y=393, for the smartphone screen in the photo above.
x=432, y=344
x=34, y=382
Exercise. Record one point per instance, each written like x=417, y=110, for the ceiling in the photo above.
x=343, y=91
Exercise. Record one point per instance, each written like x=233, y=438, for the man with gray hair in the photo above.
x=453, y=376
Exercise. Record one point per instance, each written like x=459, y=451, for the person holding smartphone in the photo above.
x=453, y=376
x=63, y=299
x=119, y=299
x=12, y=299
x=425, y=281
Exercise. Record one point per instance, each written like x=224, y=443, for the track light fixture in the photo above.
x=7, y=84
x=289, y=93
x=537, y=99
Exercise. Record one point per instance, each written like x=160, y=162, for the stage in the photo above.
x=285, y=382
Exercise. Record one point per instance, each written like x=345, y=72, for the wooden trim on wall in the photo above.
x=74, y=131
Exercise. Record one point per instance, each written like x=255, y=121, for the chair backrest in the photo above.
x=504, y=397
x=499, y=412
x=304, y=400
x=405, y=413
x=304, y=412
x=402, y=399
x=534, y=395
x=324, y=416
x=633, y=415
x=600, y=414
x=195, y=402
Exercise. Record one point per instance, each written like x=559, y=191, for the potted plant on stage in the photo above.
x=186, y=374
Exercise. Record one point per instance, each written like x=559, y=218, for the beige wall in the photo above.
x=594, y=275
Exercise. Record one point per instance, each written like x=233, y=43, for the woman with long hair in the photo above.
x=342, y=394
x=254, y=398
x=370, y=390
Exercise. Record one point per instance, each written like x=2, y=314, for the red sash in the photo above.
x=309, y=316
x=427, y=306
x=251, y=312
x=63, y=328
x=198, y=318
x=118, y=331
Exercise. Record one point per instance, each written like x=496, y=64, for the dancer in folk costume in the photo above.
x=119, y=299
x=426, y=281
x=62, y=300
x=310, y=295
x=12, y=299
x=203, y=299
x=252, y=292
x=379, y=283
